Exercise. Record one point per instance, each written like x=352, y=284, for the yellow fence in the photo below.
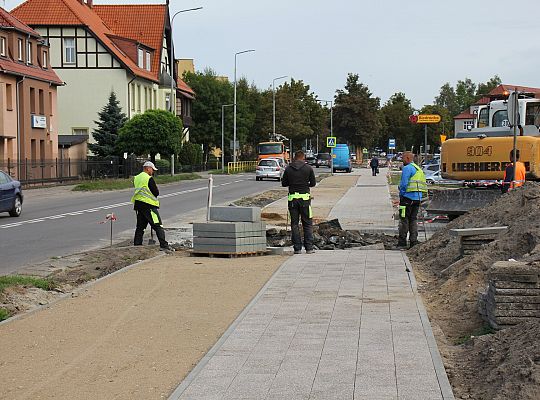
x=241, y=166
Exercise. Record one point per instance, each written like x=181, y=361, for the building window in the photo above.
x=29, y=53
x=138, y=97
x=79, y=131
x=45, y=60
x=20, y=49
x=9, y=97
x=168, y=102
x=69, y=50
x=468, y=125
x=140, y=54
x=133, y=88
x=148, y=61
x=50, y=104
x=3, y=46
x=32, y=100
x=41, y=98
x=33, y=149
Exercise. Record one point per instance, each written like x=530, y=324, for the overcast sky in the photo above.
x=412, y=46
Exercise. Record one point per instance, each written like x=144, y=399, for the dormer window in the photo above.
x=148, y=61
x=44, y=62
x=29, y=53
x=3, y=46
x=140, y=59
x=20, y=49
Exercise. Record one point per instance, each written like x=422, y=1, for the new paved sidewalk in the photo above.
x=344, y=324
x=367, y=205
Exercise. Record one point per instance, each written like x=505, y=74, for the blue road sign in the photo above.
x=331, y=141
x=391, y=143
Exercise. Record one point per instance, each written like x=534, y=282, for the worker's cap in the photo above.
x=150, y=164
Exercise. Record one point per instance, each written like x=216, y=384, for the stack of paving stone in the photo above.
x=513, y=294
x=231, y=230
x=472, y=239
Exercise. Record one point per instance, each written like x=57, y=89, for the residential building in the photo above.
x=466, y=119
x=99, y=48
x=28, y=109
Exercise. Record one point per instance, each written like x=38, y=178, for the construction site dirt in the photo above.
x=480, y=363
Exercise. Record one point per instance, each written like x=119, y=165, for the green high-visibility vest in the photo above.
x=417, y=183
x=303, y=196
x=142, y=191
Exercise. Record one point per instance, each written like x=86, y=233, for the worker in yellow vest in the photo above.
x=146, y=205
x=411, y=189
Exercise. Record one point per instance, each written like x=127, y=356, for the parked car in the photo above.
x=11, y=196
x=311, y=160
x=431, y=168
x=436, y=178
x=323, y=160
x=342, y=158
x=271, y=168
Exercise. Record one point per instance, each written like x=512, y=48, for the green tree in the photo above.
x=153, y=132
x=483, y=89
x=395, y=122
x=212, y=92
x=447, y=98
x=190, y=154
x=111, y=119
x=465, y=93
x=356, y=113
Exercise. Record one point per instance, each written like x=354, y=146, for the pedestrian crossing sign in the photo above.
x=331, y=141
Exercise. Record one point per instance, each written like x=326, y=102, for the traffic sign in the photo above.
x=391, y=144
x=443, y=138
x=365, y=150
x=428, y=119
x=331, y=141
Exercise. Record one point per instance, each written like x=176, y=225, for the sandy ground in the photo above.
x=134, y=335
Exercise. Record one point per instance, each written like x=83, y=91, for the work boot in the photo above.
x=412, y=244
x=167, y=249
x=298, y=252
x=401, y=245
x=310, y=251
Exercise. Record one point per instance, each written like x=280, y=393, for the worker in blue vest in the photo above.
x=411, y=188
x=299, y=177
x=146, y=205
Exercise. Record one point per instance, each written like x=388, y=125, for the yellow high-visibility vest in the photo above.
x=142, y=191
x=417, y=183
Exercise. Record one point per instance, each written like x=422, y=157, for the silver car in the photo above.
x=271, y=168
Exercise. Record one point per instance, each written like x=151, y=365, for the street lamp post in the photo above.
x=274, y=103
x=223, y=135
x=172, y=108
x=234, y=103
x=331, y=128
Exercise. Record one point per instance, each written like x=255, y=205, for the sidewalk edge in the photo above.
x=440, y=371
x=175, y=395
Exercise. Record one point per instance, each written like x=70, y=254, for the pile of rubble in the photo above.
x=330, y=235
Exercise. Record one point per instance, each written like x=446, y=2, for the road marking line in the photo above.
x=107, y=207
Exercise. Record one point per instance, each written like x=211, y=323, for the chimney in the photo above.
x=90, y=3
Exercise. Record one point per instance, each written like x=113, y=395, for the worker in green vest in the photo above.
x=146, y=205
x=411, y=189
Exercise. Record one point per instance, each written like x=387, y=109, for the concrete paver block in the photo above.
x=235, y=214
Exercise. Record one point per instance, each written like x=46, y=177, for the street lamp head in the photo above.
x=244, y=51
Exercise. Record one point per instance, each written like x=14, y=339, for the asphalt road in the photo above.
x=58, y=222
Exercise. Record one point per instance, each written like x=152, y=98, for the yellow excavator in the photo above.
x=482, y=153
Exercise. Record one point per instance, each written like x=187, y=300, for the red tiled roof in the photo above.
x=13, y=67
x=144, y=23
x=499, y=90
x=9, y=21
x=465, y=115
x=183, y=87
x=484, y=100
x=72, y=12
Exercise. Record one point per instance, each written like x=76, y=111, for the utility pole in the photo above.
x=274, y=104
x=234, y=103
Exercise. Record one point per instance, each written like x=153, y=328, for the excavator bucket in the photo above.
x=455, y=202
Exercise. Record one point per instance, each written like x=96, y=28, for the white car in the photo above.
x=436, y=178
x=270, y=168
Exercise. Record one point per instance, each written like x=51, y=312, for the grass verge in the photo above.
x=394, y=179
x=19, y=280
x=4, y=314
x=484, y=330
x=118, y=184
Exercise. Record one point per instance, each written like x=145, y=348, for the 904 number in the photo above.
x=479, y=151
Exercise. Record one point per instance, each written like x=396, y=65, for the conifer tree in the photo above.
x=111, y=119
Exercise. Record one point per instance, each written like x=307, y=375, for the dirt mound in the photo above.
x=505, y=365
x=451, y=285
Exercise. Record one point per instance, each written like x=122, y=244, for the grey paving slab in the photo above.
x=348, y=329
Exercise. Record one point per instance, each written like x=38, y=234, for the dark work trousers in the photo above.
x=374, y=171
x=301, y=209
x=408, y=220
x=149, y=216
